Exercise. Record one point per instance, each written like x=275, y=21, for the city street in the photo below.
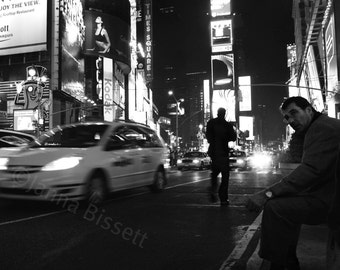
x=175, y=229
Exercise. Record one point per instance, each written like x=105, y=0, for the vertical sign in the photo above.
x=148, y=40
x=206, y=101
x=108, y=90
x=245, y=93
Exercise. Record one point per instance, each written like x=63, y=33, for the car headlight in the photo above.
x=3, y=163
x=195, y=161
x=62, y=164
x=179, y=161
x=240, y=161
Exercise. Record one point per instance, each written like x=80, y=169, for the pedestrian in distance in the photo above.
x=304, y=196
x=219, y=133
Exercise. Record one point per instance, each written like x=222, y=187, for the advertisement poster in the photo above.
x=245, y=93
x=220, y=8
x=24, y=119
x=18, y=37
x=224, y=99
x=73, y=36
x=106, y=36
x=221, y=36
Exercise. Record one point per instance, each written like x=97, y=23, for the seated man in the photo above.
x=304, y=196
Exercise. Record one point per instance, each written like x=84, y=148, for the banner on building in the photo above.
x=23, y=26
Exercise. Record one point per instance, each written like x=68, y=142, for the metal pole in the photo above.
x=177, y=124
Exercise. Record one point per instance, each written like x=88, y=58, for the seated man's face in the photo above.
x=299, y=119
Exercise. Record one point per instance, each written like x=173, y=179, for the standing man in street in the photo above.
x=305, y=195
x=219, y=132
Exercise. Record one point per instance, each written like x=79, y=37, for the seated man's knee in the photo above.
x=271, y=206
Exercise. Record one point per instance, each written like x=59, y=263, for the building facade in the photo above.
x=78, y=60
x=314, y=59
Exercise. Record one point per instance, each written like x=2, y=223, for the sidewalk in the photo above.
x=311, y=250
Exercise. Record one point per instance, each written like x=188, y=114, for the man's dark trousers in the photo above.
x=281, y=223
x=220, y=165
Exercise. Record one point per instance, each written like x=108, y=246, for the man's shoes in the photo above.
x=225, y=203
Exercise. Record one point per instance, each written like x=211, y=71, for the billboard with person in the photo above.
x=106, y=36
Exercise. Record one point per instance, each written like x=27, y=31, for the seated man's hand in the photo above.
x=256, y=201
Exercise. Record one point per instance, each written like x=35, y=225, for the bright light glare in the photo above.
x=179, y=161
x=3, y=163
x=62, y=164
x=195, y=161
x=240, y=161
x=261, y=160
x=32, y=72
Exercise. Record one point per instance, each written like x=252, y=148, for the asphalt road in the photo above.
x=137, y=229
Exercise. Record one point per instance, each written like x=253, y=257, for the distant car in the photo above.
x=11, y=138
x=238, y=160
x=85, y=161
x=194, y=160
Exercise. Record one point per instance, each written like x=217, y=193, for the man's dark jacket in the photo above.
x=219, y=133
x=316, y=173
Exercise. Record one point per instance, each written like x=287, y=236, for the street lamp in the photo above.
x=171, y=93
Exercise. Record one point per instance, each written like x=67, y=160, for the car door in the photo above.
x=123, y=159
x=154, y=154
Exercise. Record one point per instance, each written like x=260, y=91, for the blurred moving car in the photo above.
x=85, y=161
x=238, y=160
x=11, y=138
x=194, y=160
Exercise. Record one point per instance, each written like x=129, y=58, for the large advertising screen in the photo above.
x=316, y=93
x=24, y=119
x=224, y=99
x=245, y=93
x=106, y=36
x=73, y=36
x=221, y=36
x=220, y=8
x=23, y=26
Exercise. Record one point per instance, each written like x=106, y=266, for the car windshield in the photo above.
x=78, y=136
x=13, y=140
x=193, y=154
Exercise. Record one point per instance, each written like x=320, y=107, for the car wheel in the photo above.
x=159, y=181
x=97, y=189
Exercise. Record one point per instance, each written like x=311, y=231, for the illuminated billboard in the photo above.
x=315, y=92
x=221, y=36
x=245, y=93
x=222, y=69
x=24, y=119
x=224, y=99
x=107, y=36
x=220, y=7
x=247, y=123
x=23, y=26
x=72, y=38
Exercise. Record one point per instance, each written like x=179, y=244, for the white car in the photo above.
x=194, y=160
x=85, y=161
x=238, y=160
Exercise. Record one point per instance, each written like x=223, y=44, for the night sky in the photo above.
x=264, y=27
